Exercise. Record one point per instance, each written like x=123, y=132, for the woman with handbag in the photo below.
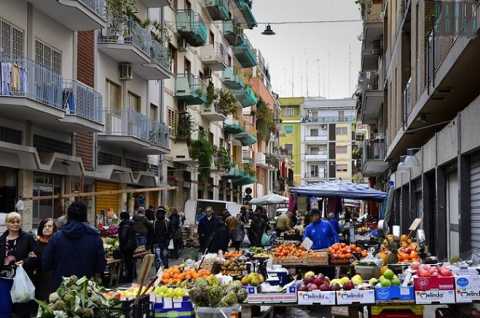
x=17, y=249
x=43, y=279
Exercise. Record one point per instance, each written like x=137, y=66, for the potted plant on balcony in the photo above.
x=184, y=127
x=223, y=159
x=202, y=150
x=265, y=123
x=211, y=96
x=227, y=103
x=119, y=13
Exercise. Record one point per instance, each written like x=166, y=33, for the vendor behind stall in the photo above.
x=320, y=232
x=284, y=222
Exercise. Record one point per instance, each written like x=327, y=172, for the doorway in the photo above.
x=46, y=185
x=453, y=216
x=8, y=189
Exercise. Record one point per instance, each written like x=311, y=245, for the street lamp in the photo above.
x=268, y=30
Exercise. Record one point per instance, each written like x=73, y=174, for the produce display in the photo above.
x=164, y=291
x=252, y=279
x=78, y=298
x=312, y=282
x=181, y=276
x=233, y=267
x=233, y=254
x=343, y=253
x=289, y=250
x=211, y=293
x=386, y=280
x=110, y=244
x=398, y=249
x=425, y=270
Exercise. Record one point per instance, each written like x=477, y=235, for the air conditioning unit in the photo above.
x=126, y=71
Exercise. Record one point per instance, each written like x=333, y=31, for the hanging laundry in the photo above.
x=23, y=80
x=69, y=101
x=15, y=79
x=5, y=84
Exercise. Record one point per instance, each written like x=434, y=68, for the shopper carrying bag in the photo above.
x=22, y=289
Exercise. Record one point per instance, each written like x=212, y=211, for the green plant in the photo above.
x=249, y=169
x=161, y=32
x=211, y=95
x=265, y=123
x=223, y=159
x=227, y=103
x=184, y=127
x=202, y=150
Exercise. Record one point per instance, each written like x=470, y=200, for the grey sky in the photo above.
x=317, y=52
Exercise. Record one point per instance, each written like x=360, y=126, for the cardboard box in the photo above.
x=467, y=288
x=395, y=294
x=316, y=297
x=428, y=283
x=256, y=297
x=356, y=296
x=434, y=296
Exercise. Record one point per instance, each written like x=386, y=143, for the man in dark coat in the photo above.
x=176, y=232
x=76, y=249
x=127, y=243
x=206, y=229
x=161, y=238
x=258, y=226
x=143, y=229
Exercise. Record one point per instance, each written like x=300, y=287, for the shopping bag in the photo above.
x=171, y=246
x=22, y=289
x=265, y=239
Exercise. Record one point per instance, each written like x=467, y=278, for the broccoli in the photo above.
x=215, y=294
x=242, y=295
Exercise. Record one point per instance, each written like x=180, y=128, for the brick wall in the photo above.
x=85, y=74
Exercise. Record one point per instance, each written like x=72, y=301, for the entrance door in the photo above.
x=453, y=216
x=8, y=189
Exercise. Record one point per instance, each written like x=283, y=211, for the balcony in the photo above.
x=126, y=42
x=261, y=160
x=212, y=113
x=215, y=56
x=156, y=3
x=245, y=53
x=245, y=138
x=317, y=157
x=373, y=157
x=246, y=96
x=84, y=106
x=232, y=127
x=232, y=80
x=316, y=120
x=190, y=89
x=407, y=99
x=134, y=132
x=372, y=101
x=218, y=9
x=232, y=32
x=191, y=27
x=320, y=139
x=245, y=8
x=77, y=15
x=247, y=156
x=159, y=68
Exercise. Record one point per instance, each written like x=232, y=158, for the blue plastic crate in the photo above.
x=395, y=293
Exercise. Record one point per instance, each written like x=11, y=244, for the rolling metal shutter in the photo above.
x=104, y=202
x=475, y=202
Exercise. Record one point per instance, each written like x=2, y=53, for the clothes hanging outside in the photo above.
x=13, y=79
x=69, y=101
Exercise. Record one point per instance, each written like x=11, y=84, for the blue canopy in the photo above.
x=340, y=189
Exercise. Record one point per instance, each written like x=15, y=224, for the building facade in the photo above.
x=114, y=102
x=290, y=134
x=419, y=93
x=327, y=132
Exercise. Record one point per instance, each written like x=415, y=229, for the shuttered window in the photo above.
x=48, y=56
x=113, y=96
x=11, y=40
x=172, y=122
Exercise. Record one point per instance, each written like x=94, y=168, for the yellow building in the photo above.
x=291, y=131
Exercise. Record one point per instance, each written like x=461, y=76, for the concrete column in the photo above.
x=216, y=189
x=441, y=214
x=25, y=189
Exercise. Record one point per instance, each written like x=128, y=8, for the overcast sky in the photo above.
x=327, y=56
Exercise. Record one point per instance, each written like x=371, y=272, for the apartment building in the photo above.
x=419, y=93
x=326, y=139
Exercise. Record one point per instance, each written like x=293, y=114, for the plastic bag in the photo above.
x=22, y=289
x=265, y=239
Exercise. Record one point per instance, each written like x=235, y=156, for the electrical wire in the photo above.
x=310, y=22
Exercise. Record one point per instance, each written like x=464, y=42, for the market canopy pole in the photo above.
x=93, y=194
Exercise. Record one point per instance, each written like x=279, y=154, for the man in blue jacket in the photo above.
x=76, y=249
x=320, y=232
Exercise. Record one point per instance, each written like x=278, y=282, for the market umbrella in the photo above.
x=342, y=189
x=268, y=199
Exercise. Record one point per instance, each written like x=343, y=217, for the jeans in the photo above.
x=161, y=255
x=141, y=239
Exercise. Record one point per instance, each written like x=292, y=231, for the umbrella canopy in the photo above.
x=268, y=199
x=342, y=189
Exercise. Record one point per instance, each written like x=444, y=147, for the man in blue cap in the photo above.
x=320, y=232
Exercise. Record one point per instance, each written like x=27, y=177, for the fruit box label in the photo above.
x=467, y=288
x=428, y=283
x=434, y=296
x=396, y=293
x=316, y=297
x=356, y=296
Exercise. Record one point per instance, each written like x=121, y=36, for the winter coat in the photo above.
x=126, y=236
x=25, y=244
x=212, y=233
x=321, y=233
x=174, y=226
x=76, y=249
x=258, y=227
x=143, y=227
x=161, y=232
x=43, y=279
x=220, y=238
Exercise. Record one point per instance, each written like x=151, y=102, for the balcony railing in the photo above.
x=126, y=31
x=328, y=119
x=161, y=55
x=214, y=55
x=407, y=100
x=190, y=89
x=231, y=79
x=232, y=32
x=83, y=101
x=98, y=6
x=131, y=123
x=191, y=26
x=374, y=149
x=32, y=81
x=316, y=156
x=245, y=7
x=246, y=96
x=245, y=53
x=218, y=9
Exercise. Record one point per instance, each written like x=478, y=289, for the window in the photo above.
x=314, y=171
x=229, y=60
x=188, y=66
x=314, y=132
x=289, y=111
x=341, y=131
x=134, y=102
x=11, y=40
x=289, y=149
x=341, y=115
x=342, y=168
x=48, y=56
x=153, y=112
x=341, y=149
x=113, y=94
x=314, y=150
x=173, y=61
x=172, y=121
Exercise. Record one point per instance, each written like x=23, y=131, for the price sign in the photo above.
x=307, y=243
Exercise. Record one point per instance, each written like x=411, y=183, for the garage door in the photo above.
x=110, y=201
x=475, y=202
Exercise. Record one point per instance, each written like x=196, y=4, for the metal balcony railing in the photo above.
x=160, y=54
x=98, y=6
x=82, y=101
x=126, y=31
x=192, y=27
x=373, y=149
x=159, y=134
x=328, y=119
x=31, y=80
x=407, y=100
x=245, y=53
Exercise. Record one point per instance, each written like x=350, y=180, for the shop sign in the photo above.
x=316, y=297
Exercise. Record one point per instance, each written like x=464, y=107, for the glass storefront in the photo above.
x=46, y=185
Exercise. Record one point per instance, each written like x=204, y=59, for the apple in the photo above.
x=321, y=276
x=423, y=273
x=312, y=287
x=307, y=280
x=348, y=286
x=415, y=265
x=335, y=287
x=388, y=274
x=324, y=287
x=318, y=281
x=303, y=287
x=309, y=274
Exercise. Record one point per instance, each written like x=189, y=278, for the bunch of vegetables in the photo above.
x=77, y=298
x=110, y=244
x=108, y=231
x=180, y=276
x=211, y=293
